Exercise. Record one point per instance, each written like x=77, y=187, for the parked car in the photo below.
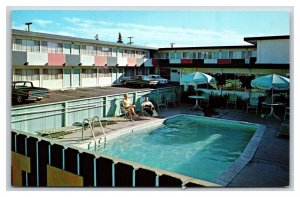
x=159, y=78
x=140, y=80
x=24, y=90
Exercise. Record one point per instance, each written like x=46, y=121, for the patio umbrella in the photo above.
x=274, y=82
x=196, y=78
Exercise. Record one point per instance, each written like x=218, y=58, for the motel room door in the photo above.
x=67, y=78
x=175, y=75
x=76, y=78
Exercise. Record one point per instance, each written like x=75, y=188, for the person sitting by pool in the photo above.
x=148, y=107
x=128, y=106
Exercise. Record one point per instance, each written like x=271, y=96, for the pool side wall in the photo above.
x=42, y=162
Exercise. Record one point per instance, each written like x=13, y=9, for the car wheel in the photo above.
x=142, y=85
x=124, y=83
x=19, y=99
x=39, y=99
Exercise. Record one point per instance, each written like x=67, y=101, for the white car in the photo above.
x=158, y=78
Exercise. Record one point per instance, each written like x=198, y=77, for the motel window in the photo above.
x=52, y=47
x=208, y=55
x=201, y=55
x=76, y=49
x=140, y=54
x=215, y=55
x=27, y=74
x=104, y=72
x=27, y=45
x=105, y=51
x=88, y=50
x=178, y=55
x=120, y=52
x=224, y=55
x=50, y=74
x=194, y=55
x=89, y=73
x=129, y=53
x=187, y=55
x=230, y=54
x=67, y=48
x=172, y=55
x=243, y=55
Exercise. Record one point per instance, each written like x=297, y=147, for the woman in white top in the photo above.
x=128, y=106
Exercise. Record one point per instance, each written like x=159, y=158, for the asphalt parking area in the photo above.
x=80, y=93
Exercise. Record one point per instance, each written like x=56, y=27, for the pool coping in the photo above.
x=227, y=175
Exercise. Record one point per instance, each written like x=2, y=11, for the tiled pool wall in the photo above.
x=42, y=162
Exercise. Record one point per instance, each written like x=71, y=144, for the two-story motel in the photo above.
x=61, y=62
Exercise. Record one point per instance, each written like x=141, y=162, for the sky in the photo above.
x=159, y=28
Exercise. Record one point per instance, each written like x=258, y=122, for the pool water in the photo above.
x=189, y=145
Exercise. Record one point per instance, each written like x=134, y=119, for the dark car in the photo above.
x=140, y=80
x=24, y=90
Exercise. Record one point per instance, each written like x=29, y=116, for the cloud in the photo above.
x=160, y=35
x=148, y=35
x=41, y=22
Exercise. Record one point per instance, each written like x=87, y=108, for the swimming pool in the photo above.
x=193, y=146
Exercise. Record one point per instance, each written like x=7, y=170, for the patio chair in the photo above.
x=206, y=99
x=267, y=100
x=123, y=110
x=286, y=112
x=232, y=99
x=284, y=129
x=252, y=104
x=160, y=101
x=170, y=98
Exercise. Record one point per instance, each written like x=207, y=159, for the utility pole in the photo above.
x=97, y=37
x=130, y=40
x=172, y=44
x=28, y=25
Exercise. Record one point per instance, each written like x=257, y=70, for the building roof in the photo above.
x=253, y=40
x=70, y=38
x=208, y=47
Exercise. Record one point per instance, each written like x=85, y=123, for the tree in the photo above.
x=120, y=38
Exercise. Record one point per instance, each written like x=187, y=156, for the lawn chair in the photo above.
x=160, y=101
x=286, y=112
x=206, y=99
x=170, y=98
x=232, y=99
x=123, y=110
x=252, y=104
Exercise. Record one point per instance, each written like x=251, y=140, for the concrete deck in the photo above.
x=269, y=166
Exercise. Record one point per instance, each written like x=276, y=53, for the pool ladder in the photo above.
x=91, y=123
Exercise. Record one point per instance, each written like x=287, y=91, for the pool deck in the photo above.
x=269, y=166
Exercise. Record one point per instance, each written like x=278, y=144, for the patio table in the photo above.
x=197, y=106
x=272, y=105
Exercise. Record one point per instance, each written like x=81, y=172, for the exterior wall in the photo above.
x=148, y=63
x=72, y=60
x=210, y=61
x=112, y=61
x=87, y=60
x=89, y=82
x=19, y=58
x=34, y=58
x=54, y=84
x=104, y=81
x=100, y=60
x=139, y=61
x=122, y=61
x=131, y=61
x=273, y=51
x=175, y=61
x=56, y=59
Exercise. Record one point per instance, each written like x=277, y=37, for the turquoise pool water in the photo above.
x=193, y=146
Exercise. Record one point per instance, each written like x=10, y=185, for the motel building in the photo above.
x=62, y=62
x=57, y=62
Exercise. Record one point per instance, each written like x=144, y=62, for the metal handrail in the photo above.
x=90, y=126
x=96, y=117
